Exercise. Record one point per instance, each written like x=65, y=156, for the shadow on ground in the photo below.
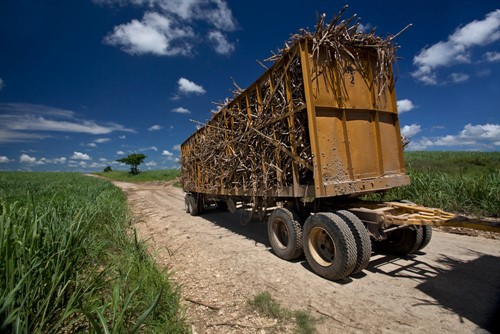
x=471, y=289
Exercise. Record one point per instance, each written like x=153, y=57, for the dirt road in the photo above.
x=453, y=286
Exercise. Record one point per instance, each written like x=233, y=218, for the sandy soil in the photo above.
x=452, y=286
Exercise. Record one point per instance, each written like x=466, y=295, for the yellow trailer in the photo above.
x=316, y=131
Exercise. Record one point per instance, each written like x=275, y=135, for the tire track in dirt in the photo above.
x=220, y=264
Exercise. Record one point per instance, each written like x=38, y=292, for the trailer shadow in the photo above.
x=470, y=289
x=238, y=223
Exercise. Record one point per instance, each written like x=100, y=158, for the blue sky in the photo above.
x=86, y=82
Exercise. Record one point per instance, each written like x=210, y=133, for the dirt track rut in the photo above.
x=453, y=286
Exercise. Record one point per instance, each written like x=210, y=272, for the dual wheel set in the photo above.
x=337, y=244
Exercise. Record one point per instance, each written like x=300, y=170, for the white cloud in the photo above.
x=220, y=43
x=26, y=159
x=458, y=77
x=187, y=87
x=7, y=136
x=176, y=147
x=2, y=84
x=59, y=160
x=167, y=153
x=4, y=159
x=456, y=49
x=18, y=118
x=155, y=34
x=122, y=137
x=151, y=164
x=181, y=110
x=492, y=56
x=102, y=140
x=80, y=156
x=405, y=105
x=471, y=137
x=168, y=28
x=410, y=130
x=155, y=127
x=92, y=145
x=151, y=148
x=365, y=27
x=120, y=152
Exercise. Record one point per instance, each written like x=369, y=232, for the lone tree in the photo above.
x=134, y=160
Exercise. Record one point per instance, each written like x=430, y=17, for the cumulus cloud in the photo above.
x=189, y=87
x=169, y=27
x=16, y=119
x=457, y=48
x=120, y=152
x=167, y=153
x=4, y=159
x=59, y=160
x=176, y=147
x=220, y=43
x=410, y=130
x=181, y=110
x=471, y=137
x=155, y=127
x=405, y=105
x=24, y=158
x=155, y=34
x=80, y=156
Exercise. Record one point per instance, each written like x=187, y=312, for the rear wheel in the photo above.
x=427, y=231
x=329, y=246
x=195, y=204
x=363, y=242
x=187, y=205
x=285, y=233
x=402, y=241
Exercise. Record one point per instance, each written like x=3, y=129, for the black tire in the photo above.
x=186, y=203
x=285, y=233
x=427, y=231
x=402, y=241
x=194, y=205
x=329, y=246
x=362, y=238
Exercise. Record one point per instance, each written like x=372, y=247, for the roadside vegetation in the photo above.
x=266, y=306
x=143, y=176
x=70, y=262
x=462, y=182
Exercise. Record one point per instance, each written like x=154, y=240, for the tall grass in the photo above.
x=463, y=182
x=70, y=262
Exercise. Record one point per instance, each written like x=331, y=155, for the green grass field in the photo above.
x=70, y=262
x=143, y=176
x=462, y=182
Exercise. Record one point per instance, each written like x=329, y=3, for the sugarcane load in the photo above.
x=314, y=133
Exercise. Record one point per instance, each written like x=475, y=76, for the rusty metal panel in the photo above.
x=305, y=128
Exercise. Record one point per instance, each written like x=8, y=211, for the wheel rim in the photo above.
x=281, y=233
x=321, y=246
